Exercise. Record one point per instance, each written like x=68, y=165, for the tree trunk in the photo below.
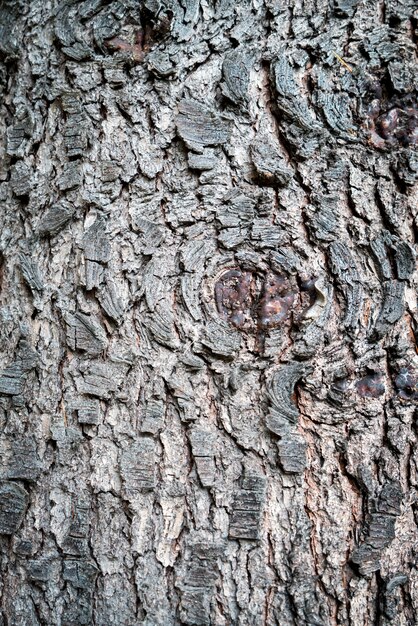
x=208, y=317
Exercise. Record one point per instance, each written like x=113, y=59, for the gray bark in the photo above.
x=208, y=312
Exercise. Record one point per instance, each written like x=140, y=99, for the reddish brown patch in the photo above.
x=234, y=297
x=367, y=308
x=276, y=302
x=133, y=49
x=391, y=126
x=398, y=125
x=376, y=140
x=371, y=386
x=251, y=306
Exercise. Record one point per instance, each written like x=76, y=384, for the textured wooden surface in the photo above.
x=208, y=313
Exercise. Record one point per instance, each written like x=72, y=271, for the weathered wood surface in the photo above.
x=208, y=312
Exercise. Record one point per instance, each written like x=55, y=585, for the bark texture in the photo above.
x=208, y=313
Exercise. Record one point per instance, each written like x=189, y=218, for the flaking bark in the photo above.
x=208, y=370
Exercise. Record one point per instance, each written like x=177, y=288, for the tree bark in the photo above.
x=208, y=313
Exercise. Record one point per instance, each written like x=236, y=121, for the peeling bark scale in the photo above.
x=208, y=363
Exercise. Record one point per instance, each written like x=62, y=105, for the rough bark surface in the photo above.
x=208, y=312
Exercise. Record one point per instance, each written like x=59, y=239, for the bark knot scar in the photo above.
x=234, y=294
x=371, y=386
x=251, y=302
x=406, y=383
x=392, y=124
x=276, y=301
x=257, y=302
